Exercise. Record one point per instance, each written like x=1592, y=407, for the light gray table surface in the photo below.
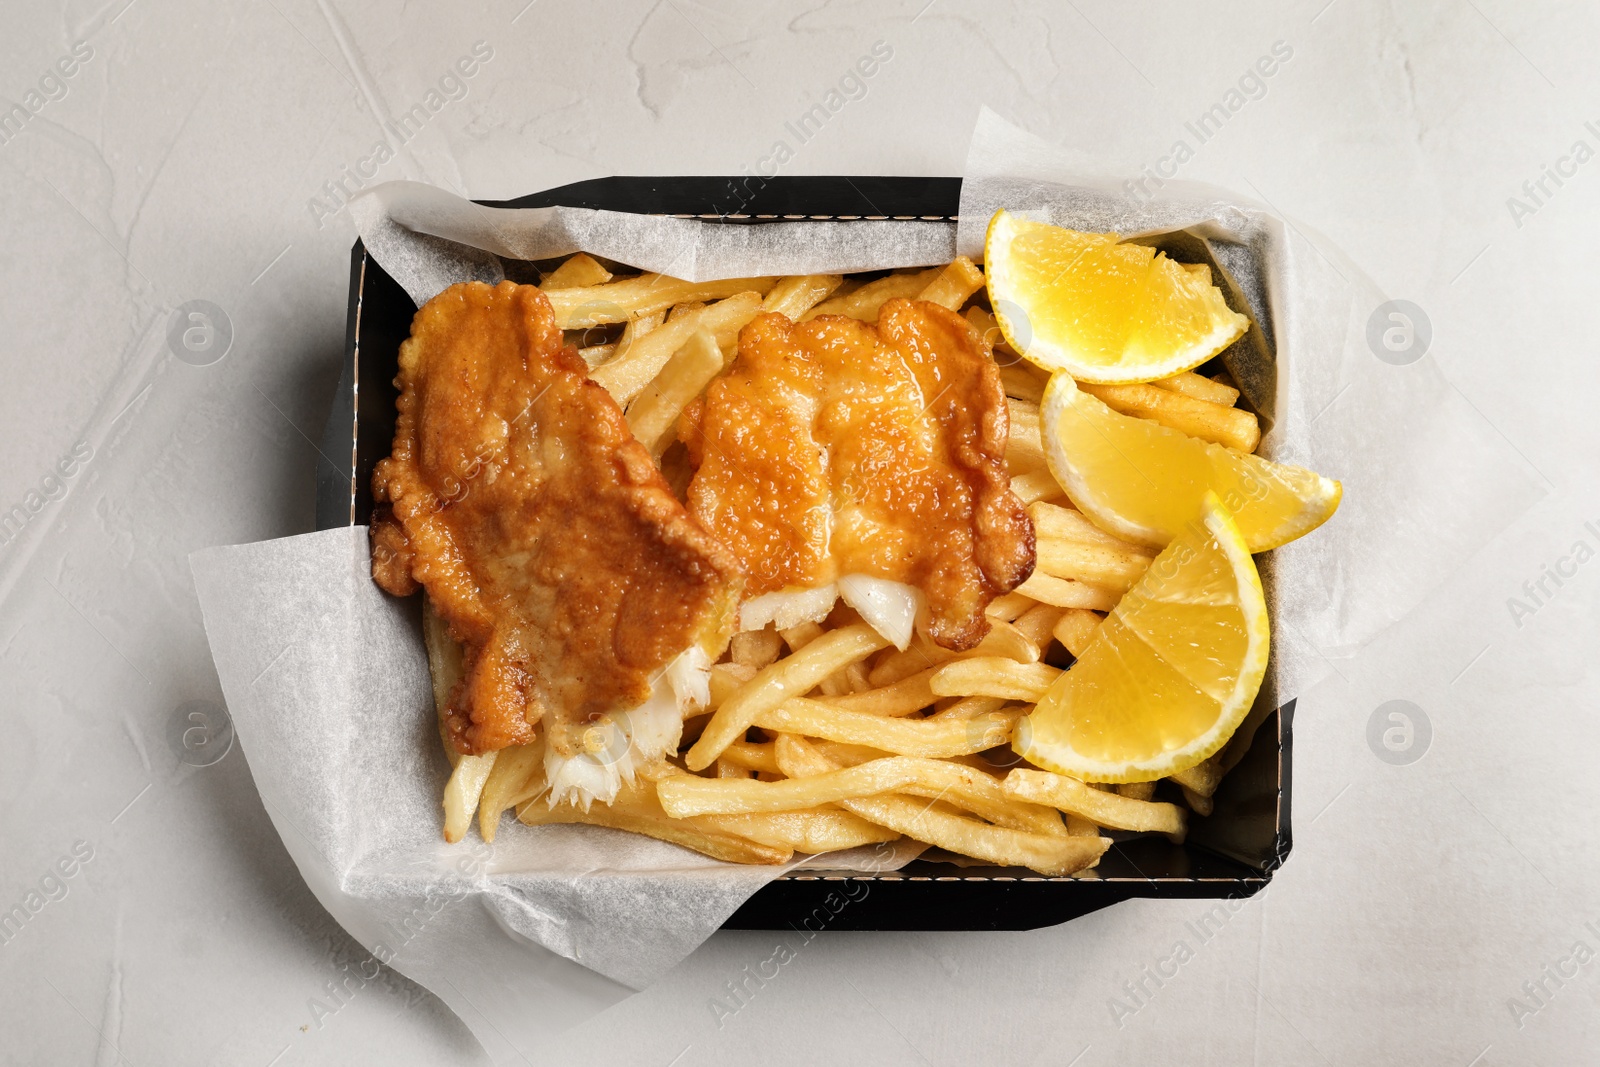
x=1441, y=911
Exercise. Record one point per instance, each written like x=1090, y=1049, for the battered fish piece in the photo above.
x=838, y=455
x=546, y=538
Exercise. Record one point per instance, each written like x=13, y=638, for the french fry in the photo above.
x=513, y=767
x=1075, y=629
x=795, y=295
x=990, y=676
x=792, y=676
x=1203, y=778
x=727, y=679
x=1053, y=853
x=1024, y=448
x=863, y=303
x=654, y=413
x=594, y=355
x=1036, y=485
x=595, y=305
x=575, y=272
x=1228, y=426
x=462, y=791
x=1103, y=809
x=1002, y=640
x=1113, y=568
x=755, y=648
x=1008, y=607
x=1053, y=520
x=1078, y=826
x=1201, y=388
x=904, y=737
x=905, y=697
x=968, y=708
x=1198, y=803
x=1035, y=626
x=1067, y=593
x=957, y=281
x=801, y=635
x=963, y=786
x=814, y=830
x=634, y=367
x=1021, y=383
x=637, y=809
x=728, y=769
x=751, y=757
x=1137, y=790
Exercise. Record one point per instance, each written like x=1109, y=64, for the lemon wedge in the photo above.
x=1169, y=674
x=1102, y=310
x=1143, y=481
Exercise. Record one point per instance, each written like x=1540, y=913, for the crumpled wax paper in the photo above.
x=327, y=681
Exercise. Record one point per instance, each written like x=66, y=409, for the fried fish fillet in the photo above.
x=836, y=454
x=544, y=534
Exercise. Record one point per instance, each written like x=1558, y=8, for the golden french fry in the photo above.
x=1104, y=809
x=895, y=665
x=1198, y=803
x=1002, y=640
x=756, y=648
x=462, y=791
x=970, y=708
x=814, y=830
x=1228, y=426
x=908, y=695
x=1075, y=629
x=1022, y=384
x=863, y=303
x=727, y=679
x=751, y=757
x=634, y=367
x=594, y=305
x=594, y=355
x=1137, y=790
x=1067, y=593
x=1078, y=826
x=1036, y=626
x=947, y=781
x=1070, y=524
x=654, y=413
x=1203, y=778
x=792, y=676
x=903, y=737
x=991, y=676
x=1115, y=569
x=957, y=281
x=729, y=769
x=1036, y=485
x=1008, y=607
x=1024, y=447
x=1051, y=852
x=801, y=635
x=575, y=271
x=513, y=768
x=795, y=295
x=637, y=809
x=1200, y=388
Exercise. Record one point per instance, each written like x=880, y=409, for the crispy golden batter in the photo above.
x=543, y=532
x=835, y=447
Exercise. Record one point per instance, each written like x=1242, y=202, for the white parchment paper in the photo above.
x=326, y=678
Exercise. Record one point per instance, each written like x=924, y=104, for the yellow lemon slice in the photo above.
x=1143, y=481
x=1099, y=309
x=1169, y=674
